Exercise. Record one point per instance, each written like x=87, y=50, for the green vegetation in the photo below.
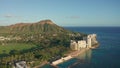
x=14, y=46
x=34, y=43
x=37, y=54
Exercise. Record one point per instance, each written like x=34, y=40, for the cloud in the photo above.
x=74, y=17
x=10, y=16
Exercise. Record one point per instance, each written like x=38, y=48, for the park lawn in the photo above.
x=15, y=46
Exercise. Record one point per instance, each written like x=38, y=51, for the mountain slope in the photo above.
x=44, y=26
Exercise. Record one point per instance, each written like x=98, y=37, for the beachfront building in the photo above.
x=85, y=43
x=81, y=44
x=73, y=45
x=77, y=45
x=91, y=40
x=89, y=43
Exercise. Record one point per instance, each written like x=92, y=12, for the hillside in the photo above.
x=41, y=31
x=34, y=42
x=44, y=26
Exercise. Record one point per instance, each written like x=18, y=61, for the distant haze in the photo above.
x=62, y=12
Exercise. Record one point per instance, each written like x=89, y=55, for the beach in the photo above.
x=69, y=56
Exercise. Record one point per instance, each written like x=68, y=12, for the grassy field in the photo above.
x=14, y=46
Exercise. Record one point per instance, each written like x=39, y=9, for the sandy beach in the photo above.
x=69, y=56
x=76, y=53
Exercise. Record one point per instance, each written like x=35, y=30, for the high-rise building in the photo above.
x=89, y=42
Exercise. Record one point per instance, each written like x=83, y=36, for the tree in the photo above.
x=14, y=52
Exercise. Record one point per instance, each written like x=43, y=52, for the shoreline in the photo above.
x=76, y=53
x=68, y=57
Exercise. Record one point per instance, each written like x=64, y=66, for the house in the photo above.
x=20, y=64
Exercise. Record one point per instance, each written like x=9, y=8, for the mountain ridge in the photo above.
x=39, y=22
x=43, y=26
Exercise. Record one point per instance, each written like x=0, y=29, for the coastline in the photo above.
x=68, y=57
x=76, y=53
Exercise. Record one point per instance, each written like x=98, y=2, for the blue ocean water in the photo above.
x=107, y=55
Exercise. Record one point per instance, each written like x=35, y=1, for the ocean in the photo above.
x=107, y=55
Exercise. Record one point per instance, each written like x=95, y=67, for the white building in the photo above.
x=81, y=44
x=88, y=43
x=77, y=45
x=20, y=64
x=73, y=45
x=91, y=40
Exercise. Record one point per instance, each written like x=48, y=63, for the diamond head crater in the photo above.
x=33, y=45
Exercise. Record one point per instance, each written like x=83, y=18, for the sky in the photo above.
x=61, y=12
